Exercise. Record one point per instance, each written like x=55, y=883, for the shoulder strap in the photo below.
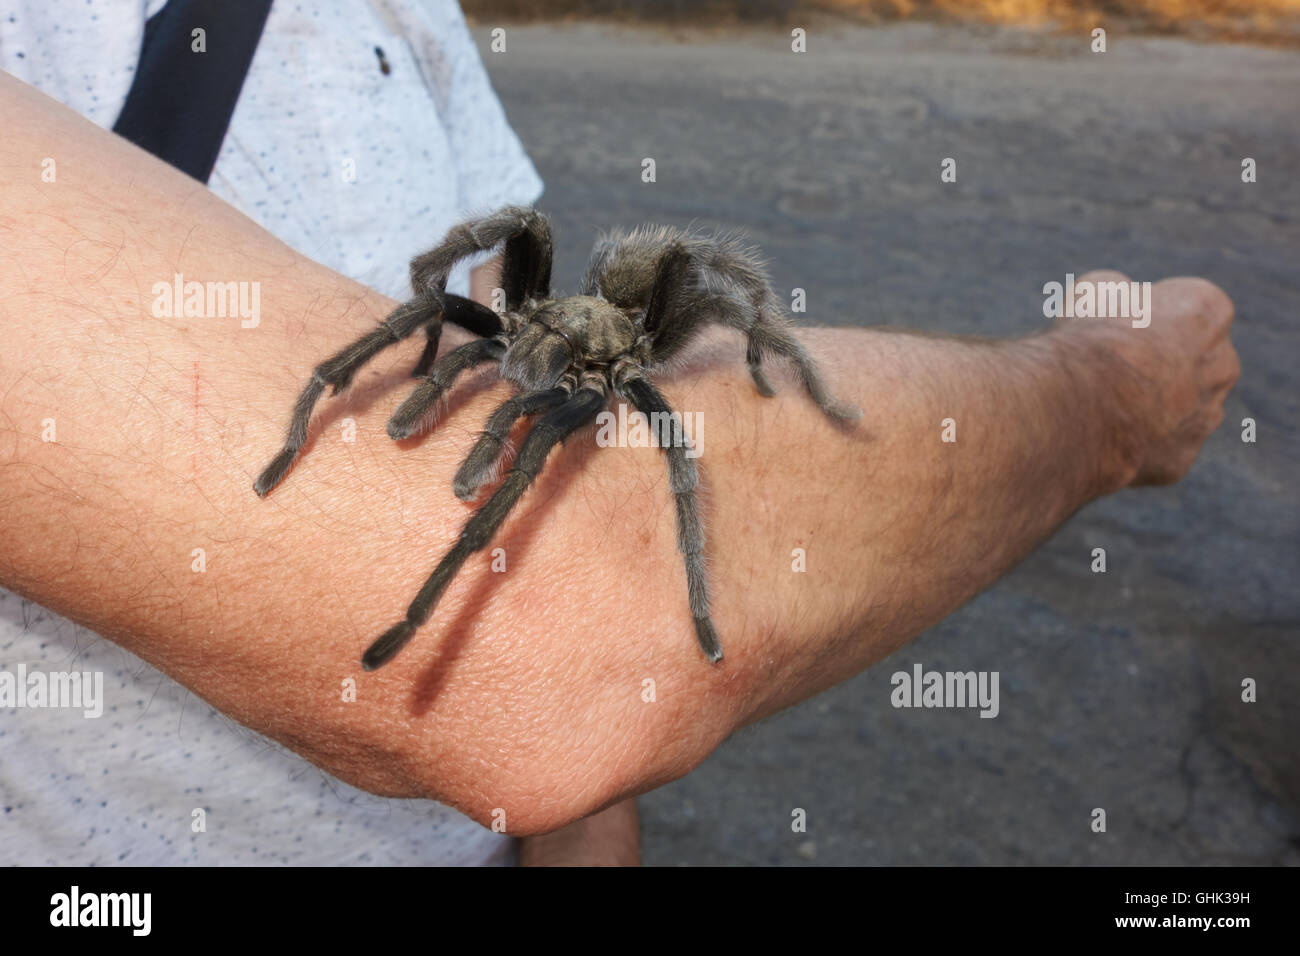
x=181, y=101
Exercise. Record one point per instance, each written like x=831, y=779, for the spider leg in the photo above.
x=525, y=270
x=767, y=331
x=726, y=283
x=481, y=461
x=406, y=420
x=580, y=409
x=529, y=258
x=600, y=253
x=337, y=372
x=526, y=261
x=678, y=306
x=466, y=313
x=754, y=356
x=769, y=335
x=683, y=478
x=672, y=290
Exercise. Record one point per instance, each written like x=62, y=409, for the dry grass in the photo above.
x=1253, y=20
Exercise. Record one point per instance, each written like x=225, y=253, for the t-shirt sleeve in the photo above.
x=492, y=168
x=83, y=55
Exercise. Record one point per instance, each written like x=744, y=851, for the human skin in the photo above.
x=611, y=837
x=524, y=700
x=608, y=838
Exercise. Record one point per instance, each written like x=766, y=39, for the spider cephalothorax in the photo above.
x=644, y=296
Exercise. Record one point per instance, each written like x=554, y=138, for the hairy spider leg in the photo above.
x=525, y=268
x=733, y=290
x=525, y=262
x=670, y=292
x=600, y=253
x=406, y=420
x=479, y=465
x=525, y=274
x=767, y=334
x=683, y=479
x=337, y=371
x=469, y=315
x=577, y=411
x=424, y=310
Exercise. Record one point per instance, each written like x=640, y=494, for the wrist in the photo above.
x=1107, y=391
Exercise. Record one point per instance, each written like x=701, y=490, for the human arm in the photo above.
x=525, y=692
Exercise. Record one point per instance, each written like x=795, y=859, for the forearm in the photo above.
x=526, y=690
x=899, y=525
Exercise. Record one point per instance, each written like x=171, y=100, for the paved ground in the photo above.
x=1119, y=690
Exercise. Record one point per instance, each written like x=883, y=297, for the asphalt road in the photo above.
x=1121, y=690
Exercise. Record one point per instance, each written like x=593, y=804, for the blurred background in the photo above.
x=1266, y=21
x=1119, y=690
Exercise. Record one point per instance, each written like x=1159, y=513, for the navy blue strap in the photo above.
x=181, y=101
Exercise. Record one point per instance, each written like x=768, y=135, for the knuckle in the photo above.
x=1212, y=299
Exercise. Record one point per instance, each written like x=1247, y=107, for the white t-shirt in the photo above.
x=359, y=170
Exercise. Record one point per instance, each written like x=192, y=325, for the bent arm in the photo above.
x=525, y=692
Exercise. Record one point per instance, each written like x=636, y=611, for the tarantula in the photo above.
x=644, y=295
